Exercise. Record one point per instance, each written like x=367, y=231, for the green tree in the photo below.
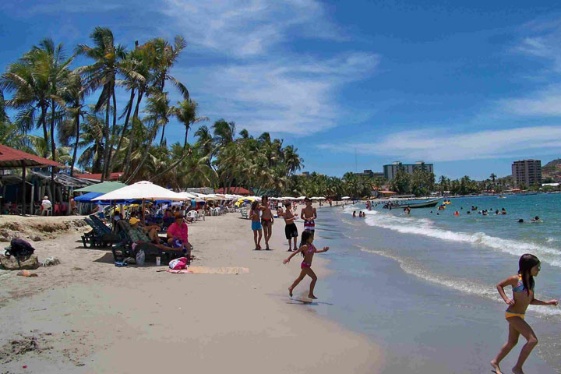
x=103, y=74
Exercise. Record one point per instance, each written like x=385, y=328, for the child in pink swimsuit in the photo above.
x=308, y=250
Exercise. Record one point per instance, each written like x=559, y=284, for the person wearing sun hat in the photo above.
x=151, y=230
x=178, y=235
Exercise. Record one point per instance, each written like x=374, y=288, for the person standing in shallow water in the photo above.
x=309, y=215
x=522, y=296
x=266, y=220
x=290, y=229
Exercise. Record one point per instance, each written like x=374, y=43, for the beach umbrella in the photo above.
x=86, y=198
x=143, y=190
x=345, y=198
x=102, y=188
x=187, y=195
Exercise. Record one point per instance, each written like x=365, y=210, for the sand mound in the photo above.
x=39, y=228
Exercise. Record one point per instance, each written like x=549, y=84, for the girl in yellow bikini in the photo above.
x=522, y=296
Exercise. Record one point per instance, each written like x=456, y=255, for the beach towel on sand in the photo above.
x=181, y=271
x=233, y=270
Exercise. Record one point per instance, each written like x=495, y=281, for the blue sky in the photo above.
x=354, y=84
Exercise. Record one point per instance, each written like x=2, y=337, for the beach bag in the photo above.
x=19, y=248
x=178, y=263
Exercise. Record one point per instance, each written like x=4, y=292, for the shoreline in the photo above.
x=89, y=316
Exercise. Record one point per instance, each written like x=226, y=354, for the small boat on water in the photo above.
x=404, y=204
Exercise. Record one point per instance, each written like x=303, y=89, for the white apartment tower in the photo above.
x=527, y=173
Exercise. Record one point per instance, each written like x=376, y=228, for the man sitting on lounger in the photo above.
x=139, y=236
x=150, y=230
x=178, y=235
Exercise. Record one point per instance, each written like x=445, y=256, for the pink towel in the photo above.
x=182, y=271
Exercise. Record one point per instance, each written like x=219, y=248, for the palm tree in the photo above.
x=186, y=113
x=35, y=81
x=159, y=111
x=103, y=74
x=73, y=94
x=136, y=70
x=91, y=141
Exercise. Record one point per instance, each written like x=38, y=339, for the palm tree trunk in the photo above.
x=126, y=124
x=43, y=122
x=106, y=142
x=163, y=133
x=113, y=134
x=131, y=138
x=53, y=147
x=75, y=153
x=146, y=154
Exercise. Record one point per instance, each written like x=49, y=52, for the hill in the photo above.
x=552, y=170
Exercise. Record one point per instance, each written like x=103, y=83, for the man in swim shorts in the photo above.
x=290, y=230
x=309, y=215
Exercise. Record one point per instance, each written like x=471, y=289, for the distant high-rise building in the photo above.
x=391, y=170
x=527, y=172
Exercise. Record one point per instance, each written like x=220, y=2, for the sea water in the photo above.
x=423, y=285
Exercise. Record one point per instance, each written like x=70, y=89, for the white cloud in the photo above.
x=262, y=86
x=438, y=145
x=247, y=28
x=297, y=96
x=545, y=103
x=543, y=41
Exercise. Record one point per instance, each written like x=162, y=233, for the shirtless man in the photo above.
x=290, y=230
x=266, y=220
x=309, y=215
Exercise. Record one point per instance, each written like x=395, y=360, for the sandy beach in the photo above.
x=232, y=313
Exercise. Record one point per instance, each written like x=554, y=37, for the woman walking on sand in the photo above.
x=256, y=224
x=308, y=250
x=266, y=220
x=522, y=296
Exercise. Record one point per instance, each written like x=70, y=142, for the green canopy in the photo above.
x=104, y=187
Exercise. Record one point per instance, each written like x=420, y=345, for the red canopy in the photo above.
x=234, y=191
x=11, y=158
x=112, y=176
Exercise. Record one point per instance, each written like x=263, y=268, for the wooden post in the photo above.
x=23, y=190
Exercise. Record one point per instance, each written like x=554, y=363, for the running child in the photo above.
x=256, y=224
x=522, y=296
x=308, y=250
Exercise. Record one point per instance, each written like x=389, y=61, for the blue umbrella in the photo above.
x=86, y=198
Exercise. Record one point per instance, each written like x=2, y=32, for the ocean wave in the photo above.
x=466, y=286
x=425, y=227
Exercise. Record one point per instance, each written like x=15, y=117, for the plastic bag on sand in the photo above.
x=140, y=258
x=178, y=263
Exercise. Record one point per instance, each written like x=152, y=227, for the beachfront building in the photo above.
x=391, y=170
x=527, y=173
